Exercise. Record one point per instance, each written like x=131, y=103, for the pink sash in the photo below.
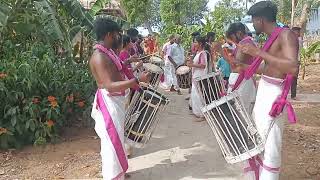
x=281, y=101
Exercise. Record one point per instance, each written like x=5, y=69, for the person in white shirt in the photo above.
x=170, y=66
x=177, y=52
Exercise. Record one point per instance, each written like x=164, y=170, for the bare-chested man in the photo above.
x=109, y=105
x=279, y=61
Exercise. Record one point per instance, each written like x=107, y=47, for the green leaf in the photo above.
x=49, y=21
x=5, y=11
x=28, y=124
x=32, y=126
x=97, y=6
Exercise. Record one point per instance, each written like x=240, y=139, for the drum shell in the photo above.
x=147, y=113
x=184, y=80
x=234, y=129
x=211, y=88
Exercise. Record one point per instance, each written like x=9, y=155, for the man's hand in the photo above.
x=249, y=49
x=139, y=64
x=189, y=63
x=145, y=77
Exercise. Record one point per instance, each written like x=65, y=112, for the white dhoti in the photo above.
x=270, y=128
x=170, y=78
x=247, y=91
x=109, y=114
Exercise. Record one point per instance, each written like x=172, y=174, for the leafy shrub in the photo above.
x=39, y=93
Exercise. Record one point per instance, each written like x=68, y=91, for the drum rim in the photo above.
x=164, y=98
x=207, y=76
x=222, y=100
x=156, y=57
x=189, y=70
x=160, y=70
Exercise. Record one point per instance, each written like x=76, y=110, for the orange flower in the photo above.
x=3, y=75
x=35, y=101
x=51, y=98
x=70, y=98
x=50, y=123
x=81, y=104
x=53, y=104
x=3, y=130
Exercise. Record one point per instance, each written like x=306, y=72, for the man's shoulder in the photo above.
x=287, y=33
x=99, y=59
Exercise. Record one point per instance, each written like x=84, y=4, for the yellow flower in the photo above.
x=50, y=123
x=54, y=104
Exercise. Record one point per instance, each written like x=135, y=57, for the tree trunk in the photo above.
x=292, y=12
x=148, y=26
x=302, y=21
x=81, y=47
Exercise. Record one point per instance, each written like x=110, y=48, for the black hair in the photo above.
x=194, y=34
x=132, y=32
x=102, y=26
x=211, y=34
x=125, y=40
x=250, y=34
x=265, y=9
x=235, y=27
x=203, y=42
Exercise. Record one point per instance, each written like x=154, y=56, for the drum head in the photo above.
x=156, y=59
x=152, y=68
x=183, y=70
x=151, y=93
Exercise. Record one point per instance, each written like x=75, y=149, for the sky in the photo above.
x=211, y=4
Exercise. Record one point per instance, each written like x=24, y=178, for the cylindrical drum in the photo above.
x=211, y=87
x=142, y=112
x=157, y=61
x=156, y=73
x=184, y=77
x=233, y=128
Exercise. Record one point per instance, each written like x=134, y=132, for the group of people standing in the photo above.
x=117, y=57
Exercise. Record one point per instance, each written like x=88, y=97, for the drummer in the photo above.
x=176, y=55
x=108, y=109
x=238, y=62
x=170, y=79
x=125, y=55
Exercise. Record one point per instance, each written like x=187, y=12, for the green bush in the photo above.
x=39, y=92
